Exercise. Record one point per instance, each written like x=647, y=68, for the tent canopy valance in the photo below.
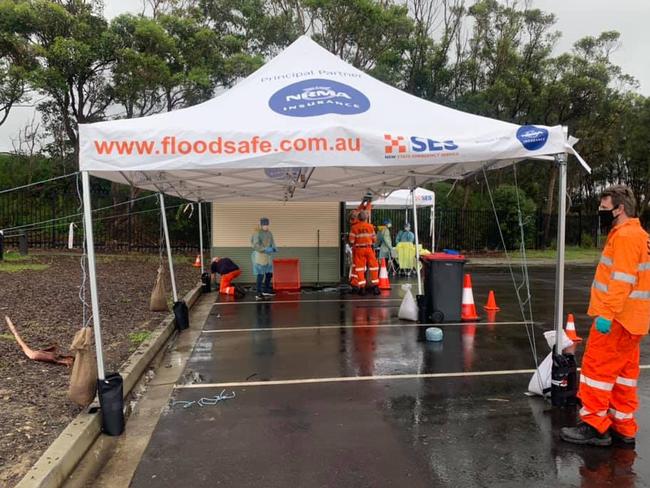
x=306, y=126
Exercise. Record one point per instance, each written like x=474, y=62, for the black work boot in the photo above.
x=362, y=292
x=585, y=434
x=376, y=291
x=621, y=439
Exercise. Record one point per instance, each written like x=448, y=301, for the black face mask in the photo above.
x=606, y=218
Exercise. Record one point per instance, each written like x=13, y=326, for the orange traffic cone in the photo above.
x=197, y=261
x=491, y=305
x=570, y=329
x=384, y=284
x=468, y=310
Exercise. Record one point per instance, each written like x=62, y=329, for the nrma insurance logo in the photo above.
x=310, y=98
x=405, y=147
x=531, y=137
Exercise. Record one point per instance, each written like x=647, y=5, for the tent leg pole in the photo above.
x=417, y=240
x=163, y=216
x=201, y=237
x=561, y=161
x=92, y=274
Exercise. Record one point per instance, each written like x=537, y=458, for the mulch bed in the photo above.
x=45, y=308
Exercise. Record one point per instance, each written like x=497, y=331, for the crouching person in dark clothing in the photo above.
x=228, y=271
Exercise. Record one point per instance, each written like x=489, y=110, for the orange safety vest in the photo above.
x=362, y=234
x=621, y=287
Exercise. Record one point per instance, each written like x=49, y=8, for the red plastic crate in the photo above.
x=286, y=274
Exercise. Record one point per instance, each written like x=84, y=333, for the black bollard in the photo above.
x=205, y=279
x=111, y=400
x=182, y=315
x=22, y=244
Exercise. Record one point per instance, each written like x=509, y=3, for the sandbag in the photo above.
x=83, y=379
x=158, y=301
x=408, y=310
x=540, y=383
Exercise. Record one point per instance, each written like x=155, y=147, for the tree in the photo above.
x=75, y=52
x=15, y=56
x=371, y=35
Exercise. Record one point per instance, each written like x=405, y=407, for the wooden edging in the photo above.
x=60, y=459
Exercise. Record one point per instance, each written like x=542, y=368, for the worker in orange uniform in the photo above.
x=620, y=305
x=362, y=239
x=228, y=271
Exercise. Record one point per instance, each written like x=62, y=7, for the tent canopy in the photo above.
x=401, y=199
x=306, y=126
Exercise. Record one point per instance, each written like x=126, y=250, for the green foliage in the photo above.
x=137, y=338
x=508, y=202
x=587, y=240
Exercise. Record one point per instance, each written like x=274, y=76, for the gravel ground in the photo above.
x=43, y=303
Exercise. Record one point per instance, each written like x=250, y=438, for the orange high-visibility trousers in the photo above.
x=608, y=380
x=365, y=257
x=226, y=280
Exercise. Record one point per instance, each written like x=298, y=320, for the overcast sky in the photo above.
x=575, y=19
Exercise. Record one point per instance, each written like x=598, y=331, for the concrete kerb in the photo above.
x=60, y=459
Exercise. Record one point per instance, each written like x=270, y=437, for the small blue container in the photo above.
x=434, y=334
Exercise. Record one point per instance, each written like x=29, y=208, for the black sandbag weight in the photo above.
x=182, y=315
x=205, y=279
x=111, y=400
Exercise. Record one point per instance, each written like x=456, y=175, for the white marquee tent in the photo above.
x=305, y=126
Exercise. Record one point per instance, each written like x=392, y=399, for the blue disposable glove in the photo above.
x=603, y=325
x=269, y=250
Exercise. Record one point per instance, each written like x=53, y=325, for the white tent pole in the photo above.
x=417, y=240
x=92, y=274
x=201, y=236
x=163, y=215
x=561, y=160
x=433, y=224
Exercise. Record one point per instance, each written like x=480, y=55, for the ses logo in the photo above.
x=531, y=137
x=310, y=98
x=414, y=147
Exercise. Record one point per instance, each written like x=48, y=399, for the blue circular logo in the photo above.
x=310, y=98
x=531, y=137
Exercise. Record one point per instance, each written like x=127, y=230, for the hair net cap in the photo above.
x=387, y=221
x=264, y=221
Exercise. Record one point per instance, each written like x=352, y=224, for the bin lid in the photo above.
x=441, y=256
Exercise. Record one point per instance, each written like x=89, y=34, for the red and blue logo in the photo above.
x=398, y=147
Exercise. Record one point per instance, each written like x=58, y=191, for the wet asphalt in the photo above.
x=399, y=429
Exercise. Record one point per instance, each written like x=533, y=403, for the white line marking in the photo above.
x=345, y=379
x=356, y=378
x=354, y=300
x=353, y=326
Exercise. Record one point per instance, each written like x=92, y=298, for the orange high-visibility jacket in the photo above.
x=621, y=287
x=362, y=234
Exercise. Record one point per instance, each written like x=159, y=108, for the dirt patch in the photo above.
x=44, y=305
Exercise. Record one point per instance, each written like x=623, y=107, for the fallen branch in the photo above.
x=47, y=355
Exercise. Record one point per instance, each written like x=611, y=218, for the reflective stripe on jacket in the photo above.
x=621, y=288
x=362, y=234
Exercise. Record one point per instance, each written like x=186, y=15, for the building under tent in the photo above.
x=305, y=127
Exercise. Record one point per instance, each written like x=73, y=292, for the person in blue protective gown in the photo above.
x=405, y=235
x=385, y=240
x=263, y=250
